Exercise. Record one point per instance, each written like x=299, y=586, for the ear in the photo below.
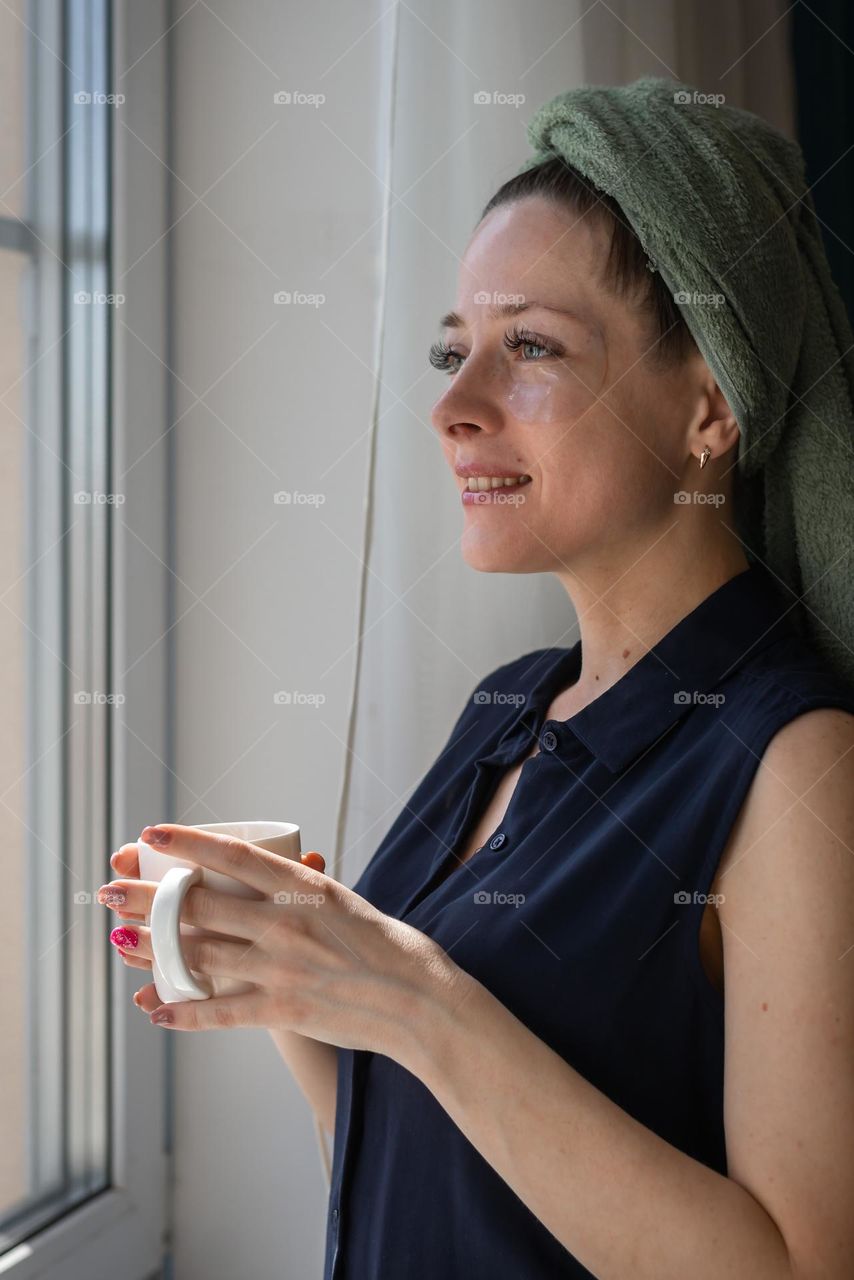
x=716, y=428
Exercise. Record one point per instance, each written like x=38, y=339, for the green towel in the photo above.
x=718, y=199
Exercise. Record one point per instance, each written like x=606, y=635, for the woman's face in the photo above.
x=575, y=405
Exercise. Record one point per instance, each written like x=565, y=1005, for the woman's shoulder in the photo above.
x=787, y=685
x=796, y=717
x=813, y=730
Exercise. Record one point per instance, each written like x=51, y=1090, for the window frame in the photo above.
x=114, y=631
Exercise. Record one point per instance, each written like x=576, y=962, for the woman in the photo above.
x=589, y=1009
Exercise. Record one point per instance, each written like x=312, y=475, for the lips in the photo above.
x=467, y=469
x=487, y=483
x=484, y=483
x=495, y=490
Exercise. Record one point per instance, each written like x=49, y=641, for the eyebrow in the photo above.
x=454, y=321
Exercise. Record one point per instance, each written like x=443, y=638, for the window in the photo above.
x=82, y=1159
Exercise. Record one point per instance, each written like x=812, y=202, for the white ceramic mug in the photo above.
x=173, y=979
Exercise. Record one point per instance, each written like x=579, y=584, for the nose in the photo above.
x=466, y=407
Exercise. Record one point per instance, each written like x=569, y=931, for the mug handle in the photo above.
x=172, y=978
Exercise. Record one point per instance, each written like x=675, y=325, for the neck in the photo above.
x=625, y=607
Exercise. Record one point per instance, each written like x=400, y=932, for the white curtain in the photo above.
x=430, y=626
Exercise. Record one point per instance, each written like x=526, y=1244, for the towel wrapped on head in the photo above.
x=718, y=199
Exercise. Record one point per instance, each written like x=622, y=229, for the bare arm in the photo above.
x=313, y=1063
x=314, y=1066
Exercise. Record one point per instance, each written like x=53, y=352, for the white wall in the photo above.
x=279, y=587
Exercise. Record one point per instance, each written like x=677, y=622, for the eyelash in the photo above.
x=441, y=355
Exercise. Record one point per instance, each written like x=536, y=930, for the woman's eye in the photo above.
x=449, y=361
x=517, y=338
x=442, y=357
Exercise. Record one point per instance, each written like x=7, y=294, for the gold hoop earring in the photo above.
x=704, y=456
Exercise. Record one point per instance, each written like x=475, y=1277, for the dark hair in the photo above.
x=625, y=270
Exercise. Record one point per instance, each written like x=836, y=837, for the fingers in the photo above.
x=217, y=912
x=132, y=942
x=125, y=861
x=208, y=909
x=251, y=1009
x=137, y=908
x=147, y=998
x=133, y=961
x=259, y=868
x=223, y=957
x=138, y=896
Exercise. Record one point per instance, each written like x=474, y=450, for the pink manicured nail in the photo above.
x=127, y=938
x=111, y=897
x=155, y=835
x=161, y=1016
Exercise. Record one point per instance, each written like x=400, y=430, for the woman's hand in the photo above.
x=136, y=906
x=324, y=962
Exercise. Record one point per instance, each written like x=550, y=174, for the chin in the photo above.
x=490, y=553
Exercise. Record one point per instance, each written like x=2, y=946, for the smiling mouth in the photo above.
x=494, y=490
x=482, y=484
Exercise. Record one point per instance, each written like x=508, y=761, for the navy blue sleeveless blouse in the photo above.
x=581, y=913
